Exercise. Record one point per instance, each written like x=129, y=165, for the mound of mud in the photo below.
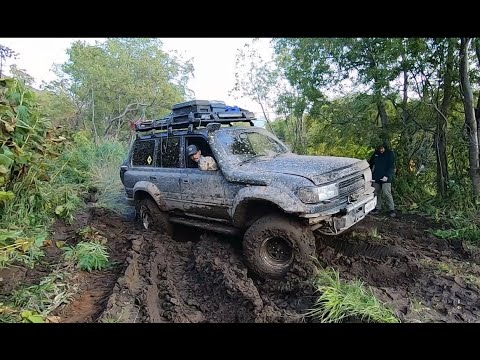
x=204, y=281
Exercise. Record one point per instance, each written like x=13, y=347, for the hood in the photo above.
x=318, y=169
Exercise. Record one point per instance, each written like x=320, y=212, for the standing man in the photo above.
x=382, y=164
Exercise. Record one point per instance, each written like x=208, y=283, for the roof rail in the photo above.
x=193, y=119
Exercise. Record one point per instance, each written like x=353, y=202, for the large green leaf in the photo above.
x=8, y=235
x=6, y=195
x=37, y=319
x=39, y=240
x=5, y=160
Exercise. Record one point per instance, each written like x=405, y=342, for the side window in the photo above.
x=170, y=152
x=143, y=153
x=202, y=145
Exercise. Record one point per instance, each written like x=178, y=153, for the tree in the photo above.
x=5, y=53
x=120, y=80
x=255, y=78
x=474, y=153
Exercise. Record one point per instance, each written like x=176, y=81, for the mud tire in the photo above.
x=151, y=217
x=275, y=244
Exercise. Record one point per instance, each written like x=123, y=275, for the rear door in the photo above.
x=141, y=165
x=169, y=171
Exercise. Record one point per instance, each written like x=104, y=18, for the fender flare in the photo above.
x=153, y=191
x=282, y=199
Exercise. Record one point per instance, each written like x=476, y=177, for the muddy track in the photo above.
x=202, y=281
x=199, y=277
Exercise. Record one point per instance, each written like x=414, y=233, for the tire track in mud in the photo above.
x=201, y=280
x=195, y=282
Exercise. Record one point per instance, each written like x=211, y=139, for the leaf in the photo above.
x=59, y=209
x=23, y=112
x=5, y=160
x=60, y=244
x=6, y=234
x=36, y=319
x=9, y=127
x=4, y=169
x=53, y=319
x=26, y=313
x=6, y=195
x=39, y=240
x=24, y=243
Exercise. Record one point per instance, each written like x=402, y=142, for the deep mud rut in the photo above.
x=200, y=277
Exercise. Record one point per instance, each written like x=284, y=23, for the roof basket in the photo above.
x=197, y=113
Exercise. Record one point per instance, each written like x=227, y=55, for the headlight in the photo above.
x=311, y=195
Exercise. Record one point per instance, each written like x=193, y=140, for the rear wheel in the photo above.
x=275, y=243
x=152, y=218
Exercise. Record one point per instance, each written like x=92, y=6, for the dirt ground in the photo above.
x=200, y=277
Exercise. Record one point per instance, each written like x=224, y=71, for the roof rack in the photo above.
x=195, y=119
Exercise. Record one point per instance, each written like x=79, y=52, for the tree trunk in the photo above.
x=383, y=114
x=408, y=131
x=93, y=119
x=477, y=110
x=440, y=133
x=470, y=117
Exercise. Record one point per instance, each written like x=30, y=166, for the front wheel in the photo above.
x=152, y=218
x=273, y=244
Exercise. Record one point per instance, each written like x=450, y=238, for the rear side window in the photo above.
x=143, y=152
x=169, y=152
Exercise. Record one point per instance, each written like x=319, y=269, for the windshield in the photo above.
x=247, y=145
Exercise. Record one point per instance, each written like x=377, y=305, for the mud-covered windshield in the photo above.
x=247, y=145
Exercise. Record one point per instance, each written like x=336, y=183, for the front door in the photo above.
x=203, y=192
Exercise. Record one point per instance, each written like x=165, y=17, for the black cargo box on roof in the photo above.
x=202, y=108
x=197, y=113
x=194, y=106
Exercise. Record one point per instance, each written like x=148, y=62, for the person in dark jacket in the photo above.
x=382, y=163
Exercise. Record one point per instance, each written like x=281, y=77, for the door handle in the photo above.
x=153, y=178
x=185, y=180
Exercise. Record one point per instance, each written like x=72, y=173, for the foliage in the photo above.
x=121, y=79
x=255, y=78
x=5, y=53
x=407, y=91
x=36, y=302
x=88, y=256
x=340, y=300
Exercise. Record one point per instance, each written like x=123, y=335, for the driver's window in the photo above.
x=202, y=145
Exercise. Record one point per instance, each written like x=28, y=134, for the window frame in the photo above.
x=185, y=141
x=159, y=159
x=154, y=162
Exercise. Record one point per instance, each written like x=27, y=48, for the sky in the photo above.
x=213, y=61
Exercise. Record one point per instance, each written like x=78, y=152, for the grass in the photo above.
x=340, y=300
x=470, y=233
x=88, y=256
x=466, y=271
x=437, y=266
x=52, y=188
x=34, y=303
x=104, y=174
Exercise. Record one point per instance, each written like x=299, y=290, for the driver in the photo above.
x=204, y=162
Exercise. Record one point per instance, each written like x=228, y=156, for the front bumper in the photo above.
x=333, y=224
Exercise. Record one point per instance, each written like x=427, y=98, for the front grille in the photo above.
x=351, y=185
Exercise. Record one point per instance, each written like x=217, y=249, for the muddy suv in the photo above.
x=261, y=191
